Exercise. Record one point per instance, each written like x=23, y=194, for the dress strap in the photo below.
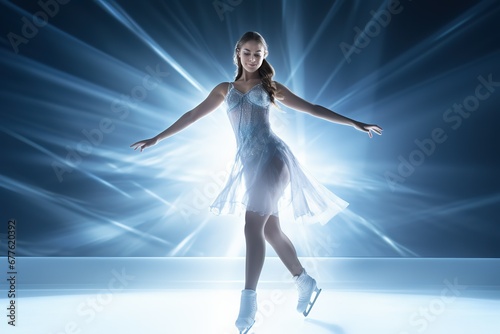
x=229, y=87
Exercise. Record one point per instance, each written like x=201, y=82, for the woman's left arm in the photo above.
x=291, y=100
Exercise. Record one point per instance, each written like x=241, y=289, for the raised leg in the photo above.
x=282, y=245
x=306, y=285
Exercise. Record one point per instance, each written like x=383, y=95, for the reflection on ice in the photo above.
x=214, y=311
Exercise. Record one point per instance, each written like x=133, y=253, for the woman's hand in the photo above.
x=144, y=143
x=368, y=128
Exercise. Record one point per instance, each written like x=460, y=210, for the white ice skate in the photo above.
x=306, y=286
x=248, y=308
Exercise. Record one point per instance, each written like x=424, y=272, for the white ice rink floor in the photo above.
x=119, y=296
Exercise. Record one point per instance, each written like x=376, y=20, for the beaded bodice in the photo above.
x=249, y=116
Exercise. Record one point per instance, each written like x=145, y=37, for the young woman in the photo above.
x=265, y=174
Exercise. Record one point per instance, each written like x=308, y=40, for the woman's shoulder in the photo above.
x=222, y=87
x=276, y=84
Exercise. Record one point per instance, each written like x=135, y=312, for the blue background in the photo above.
x=86, y=71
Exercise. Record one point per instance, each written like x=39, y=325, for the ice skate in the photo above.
x=306, y=286
x=248, y=308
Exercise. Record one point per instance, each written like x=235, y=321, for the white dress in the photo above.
x=266, y=177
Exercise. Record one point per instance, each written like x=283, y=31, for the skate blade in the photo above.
x=311, y=303
x=245, y=331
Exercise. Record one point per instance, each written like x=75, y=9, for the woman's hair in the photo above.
x=266, y=71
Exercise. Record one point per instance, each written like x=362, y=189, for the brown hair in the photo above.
x=266, y=71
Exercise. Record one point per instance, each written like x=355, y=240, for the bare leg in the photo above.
x=255, y=247
x=282, y=245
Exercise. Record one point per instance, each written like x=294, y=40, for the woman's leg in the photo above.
x=255, y=247
x=306, y=285
x=267, y=187
x=282, y=245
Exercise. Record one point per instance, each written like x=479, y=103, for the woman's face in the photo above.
x=252, y=55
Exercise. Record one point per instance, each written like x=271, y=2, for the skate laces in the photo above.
x=248, y=307
x=305, y=284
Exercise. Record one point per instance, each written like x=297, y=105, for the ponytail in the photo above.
x=266, y=72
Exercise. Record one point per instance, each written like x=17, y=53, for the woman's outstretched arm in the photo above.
x=212, y=102
x=291, y=100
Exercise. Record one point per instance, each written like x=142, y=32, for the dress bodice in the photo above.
x=266, y=176
x=249, y=114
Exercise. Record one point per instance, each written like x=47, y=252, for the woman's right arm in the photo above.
x=212, y=102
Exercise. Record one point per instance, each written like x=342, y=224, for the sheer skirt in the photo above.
x=272, y=181
x=266, y=177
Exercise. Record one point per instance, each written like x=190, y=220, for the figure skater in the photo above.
x=265, y=173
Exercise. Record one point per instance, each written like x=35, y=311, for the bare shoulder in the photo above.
x=281, y=90
x=221, y=89
x=278, y=85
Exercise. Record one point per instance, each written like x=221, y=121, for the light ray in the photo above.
x=118, y=13
x=67, y=79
